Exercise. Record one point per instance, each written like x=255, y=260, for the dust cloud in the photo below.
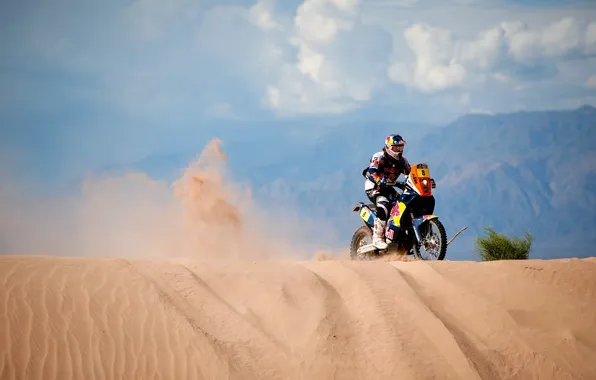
x=201, y=215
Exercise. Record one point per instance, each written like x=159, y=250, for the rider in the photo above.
x=381, y=175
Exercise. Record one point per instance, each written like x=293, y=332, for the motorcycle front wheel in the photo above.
x=434, y=241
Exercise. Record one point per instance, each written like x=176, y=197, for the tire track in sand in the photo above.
x=252, y=322
x=491, y=340
x=250, y=343
x=329, y=351
x=207, y=348
x=403, y=328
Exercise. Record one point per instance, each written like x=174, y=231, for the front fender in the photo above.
x=417, y=222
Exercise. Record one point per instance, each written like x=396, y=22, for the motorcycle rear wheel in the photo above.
x=442, y=239
x=357, y=241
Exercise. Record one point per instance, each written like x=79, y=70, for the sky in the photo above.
x=89, y=84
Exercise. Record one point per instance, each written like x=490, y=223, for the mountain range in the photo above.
x=523, y=171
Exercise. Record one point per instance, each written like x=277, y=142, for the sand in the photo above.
x=111, y=318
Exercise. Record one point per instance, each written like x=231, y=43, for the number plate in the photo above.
x=423, y=173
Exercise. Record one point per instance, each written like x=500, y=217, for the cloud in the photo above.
x=554, y=40
x=320, y=78
x=393, y=3
x=434, y=67
x=260, y=15
x=510, y=49
x=157, y=65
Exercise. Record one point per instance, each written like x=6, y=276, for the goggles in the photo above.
x=397, y=148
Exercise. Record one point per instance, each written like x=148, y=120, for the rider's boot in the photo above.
x=378, y=239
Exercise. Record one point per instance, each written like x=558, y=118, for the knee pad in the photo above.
x=382, y=208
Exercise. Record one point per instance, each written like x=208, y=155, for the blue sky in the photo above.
x=88, y=85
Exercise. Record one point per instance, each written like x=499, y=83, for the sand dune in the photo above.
x=81, y=318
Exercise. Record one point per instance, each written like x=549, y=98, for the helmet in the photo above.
x=394, y=146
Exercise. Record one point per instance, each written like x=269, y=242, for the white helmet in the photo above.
x=394, y=146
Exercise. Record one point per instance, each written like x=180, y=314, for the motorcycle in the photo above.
x=410, y=223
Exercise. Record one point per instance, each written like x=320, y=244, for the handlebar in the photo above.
x=401, y=185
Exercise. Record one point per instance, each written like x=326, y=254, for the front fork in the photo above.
x=417, y=222
x=415, y=228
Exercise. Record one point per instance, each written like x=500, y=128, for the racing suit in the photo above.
x=381, y=175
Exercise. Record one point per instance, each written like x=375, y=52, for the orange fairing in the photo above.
x=420, y=177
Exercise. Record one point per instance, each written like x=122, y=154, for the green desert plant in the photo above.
x=496, y=246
